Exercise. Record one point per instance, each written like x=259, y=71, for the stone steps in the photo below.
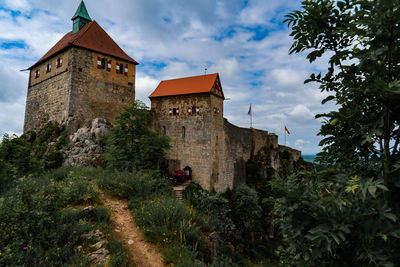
x=179, y=190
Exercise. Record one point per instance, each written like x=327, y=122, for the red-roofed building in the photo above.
x=85, y=75
x=206, y=146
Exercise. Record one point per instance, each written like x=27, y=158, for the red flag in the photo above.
x=286, y=130
x=249, y=113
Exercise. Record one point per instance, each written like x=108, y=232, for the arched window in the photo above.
x=103, y=63
x=164, y=130
x=174, y=111
x=183, y=132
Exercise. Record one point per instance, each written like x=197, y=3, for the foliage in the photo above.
x=118, y=255
x=180, y=256
x=320, y=216
x=136, y=186
x=361, y=39
x=34, y=227
x=166, y=221
x=132, y=145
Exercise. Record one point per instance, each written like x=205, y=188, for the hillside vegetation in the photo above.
x=345, y=213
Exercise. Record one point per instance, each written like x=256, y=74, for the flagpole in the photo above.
x=284, y=131
x=251, y=119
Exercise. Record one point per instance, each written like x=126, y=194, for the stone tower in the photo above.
x=83, y=76
x=190, y=111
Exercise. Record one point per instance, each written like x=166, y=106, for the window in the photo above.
x=37, y=73
x=193, y=110
x=183, y=132
x=103, y=63
x=164, y=130
x=126, y=70
x=109, y=65
x=59, y=62
x=121, y=68
x=48, y=67
x=174, y=111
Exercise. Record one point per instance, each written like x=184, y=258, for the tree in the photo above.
x=132, y=145
x=361, y=38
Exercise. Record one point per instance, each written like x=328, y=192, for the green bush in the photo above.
x=33, y=226
x=136, y=185
x=167, y=221
x=180, y=256
x=118, y=255
x=331, y=219
x=131, y=144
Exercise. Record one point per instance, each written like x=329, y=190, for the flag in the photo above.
x=286, y=130
x=249, y=113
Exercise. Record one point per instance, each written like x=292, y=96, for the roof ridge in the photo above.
x=216, y=73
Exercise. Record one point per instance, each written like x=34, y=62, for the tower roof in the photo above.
x=190, y=85
x=91, y=37
x=82, y=12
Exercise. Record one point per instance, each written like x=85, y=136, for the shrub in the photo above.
x=331, y=219
x=136, y=185
x=33, y=226
x=118, y=255
x=180, y=256
x=166, y=221
x=131, y=144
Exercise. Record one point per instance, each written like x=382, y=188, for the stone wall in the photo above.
x=77, y=92
x=47, y=97
x=192, y=136
x=97, y=93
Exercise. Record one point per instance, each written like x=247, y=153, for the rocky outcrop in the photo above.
x=86, y=144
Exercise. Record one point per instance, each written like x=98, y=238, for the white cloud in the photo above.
x=301, y=112
x=287, y=77
x=185, y=37
x=299, y=143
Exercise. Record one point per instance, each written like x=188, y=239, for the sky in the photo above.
x=245, y=41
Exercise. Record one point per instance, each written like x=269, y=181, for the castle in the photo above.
x=86, y=75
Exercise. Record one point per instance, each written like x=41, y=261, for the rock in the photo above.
x=79, y=248
x=99, y=256
x=81, y=135
x=88, y=208
x=117, y=230
x=100, y=244
x=130, y=242
x=93, y=234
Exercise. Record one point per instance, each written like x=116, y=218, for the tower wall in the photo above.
x=48, y=94
x=78, y=91
x=98, y=93
x=193, y=146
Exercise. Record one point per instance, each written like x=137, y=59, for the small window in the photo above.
x=37, y=73
x=103, y=63
x=193, y=110
x=59, y=62
x=183, y=132
x=164, y=130
x=174, y=111
x=121, y=68
x=48, y=67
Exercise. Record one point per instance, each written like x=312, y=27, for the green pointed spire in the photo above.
x=81, y=18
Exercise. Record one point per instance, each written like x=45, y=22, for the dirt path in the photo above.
x=139, y=251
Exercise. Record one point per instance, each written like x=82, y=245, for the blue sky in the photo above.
x=244, y=41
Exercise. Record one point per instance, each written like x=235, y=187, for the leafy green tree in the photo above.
x=361, y=38
x=132, y=145
x=333, y=219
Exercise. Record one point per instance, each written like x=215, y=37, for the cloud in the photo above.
x=245, y=42
x=299, y=143
x=287, y=77
x=301, y=112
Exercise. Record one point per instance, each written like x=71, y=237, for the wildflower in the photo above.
x=75, y=232
x=58, y=248
x=25, y=248
x=9, y=249
x=40, y=261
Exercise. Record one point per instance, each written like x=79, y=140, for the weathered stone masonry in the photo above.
x=78, y=92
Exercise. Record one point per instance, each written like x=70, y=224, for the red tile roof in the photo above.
x=190, y=85
x=91, y=37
